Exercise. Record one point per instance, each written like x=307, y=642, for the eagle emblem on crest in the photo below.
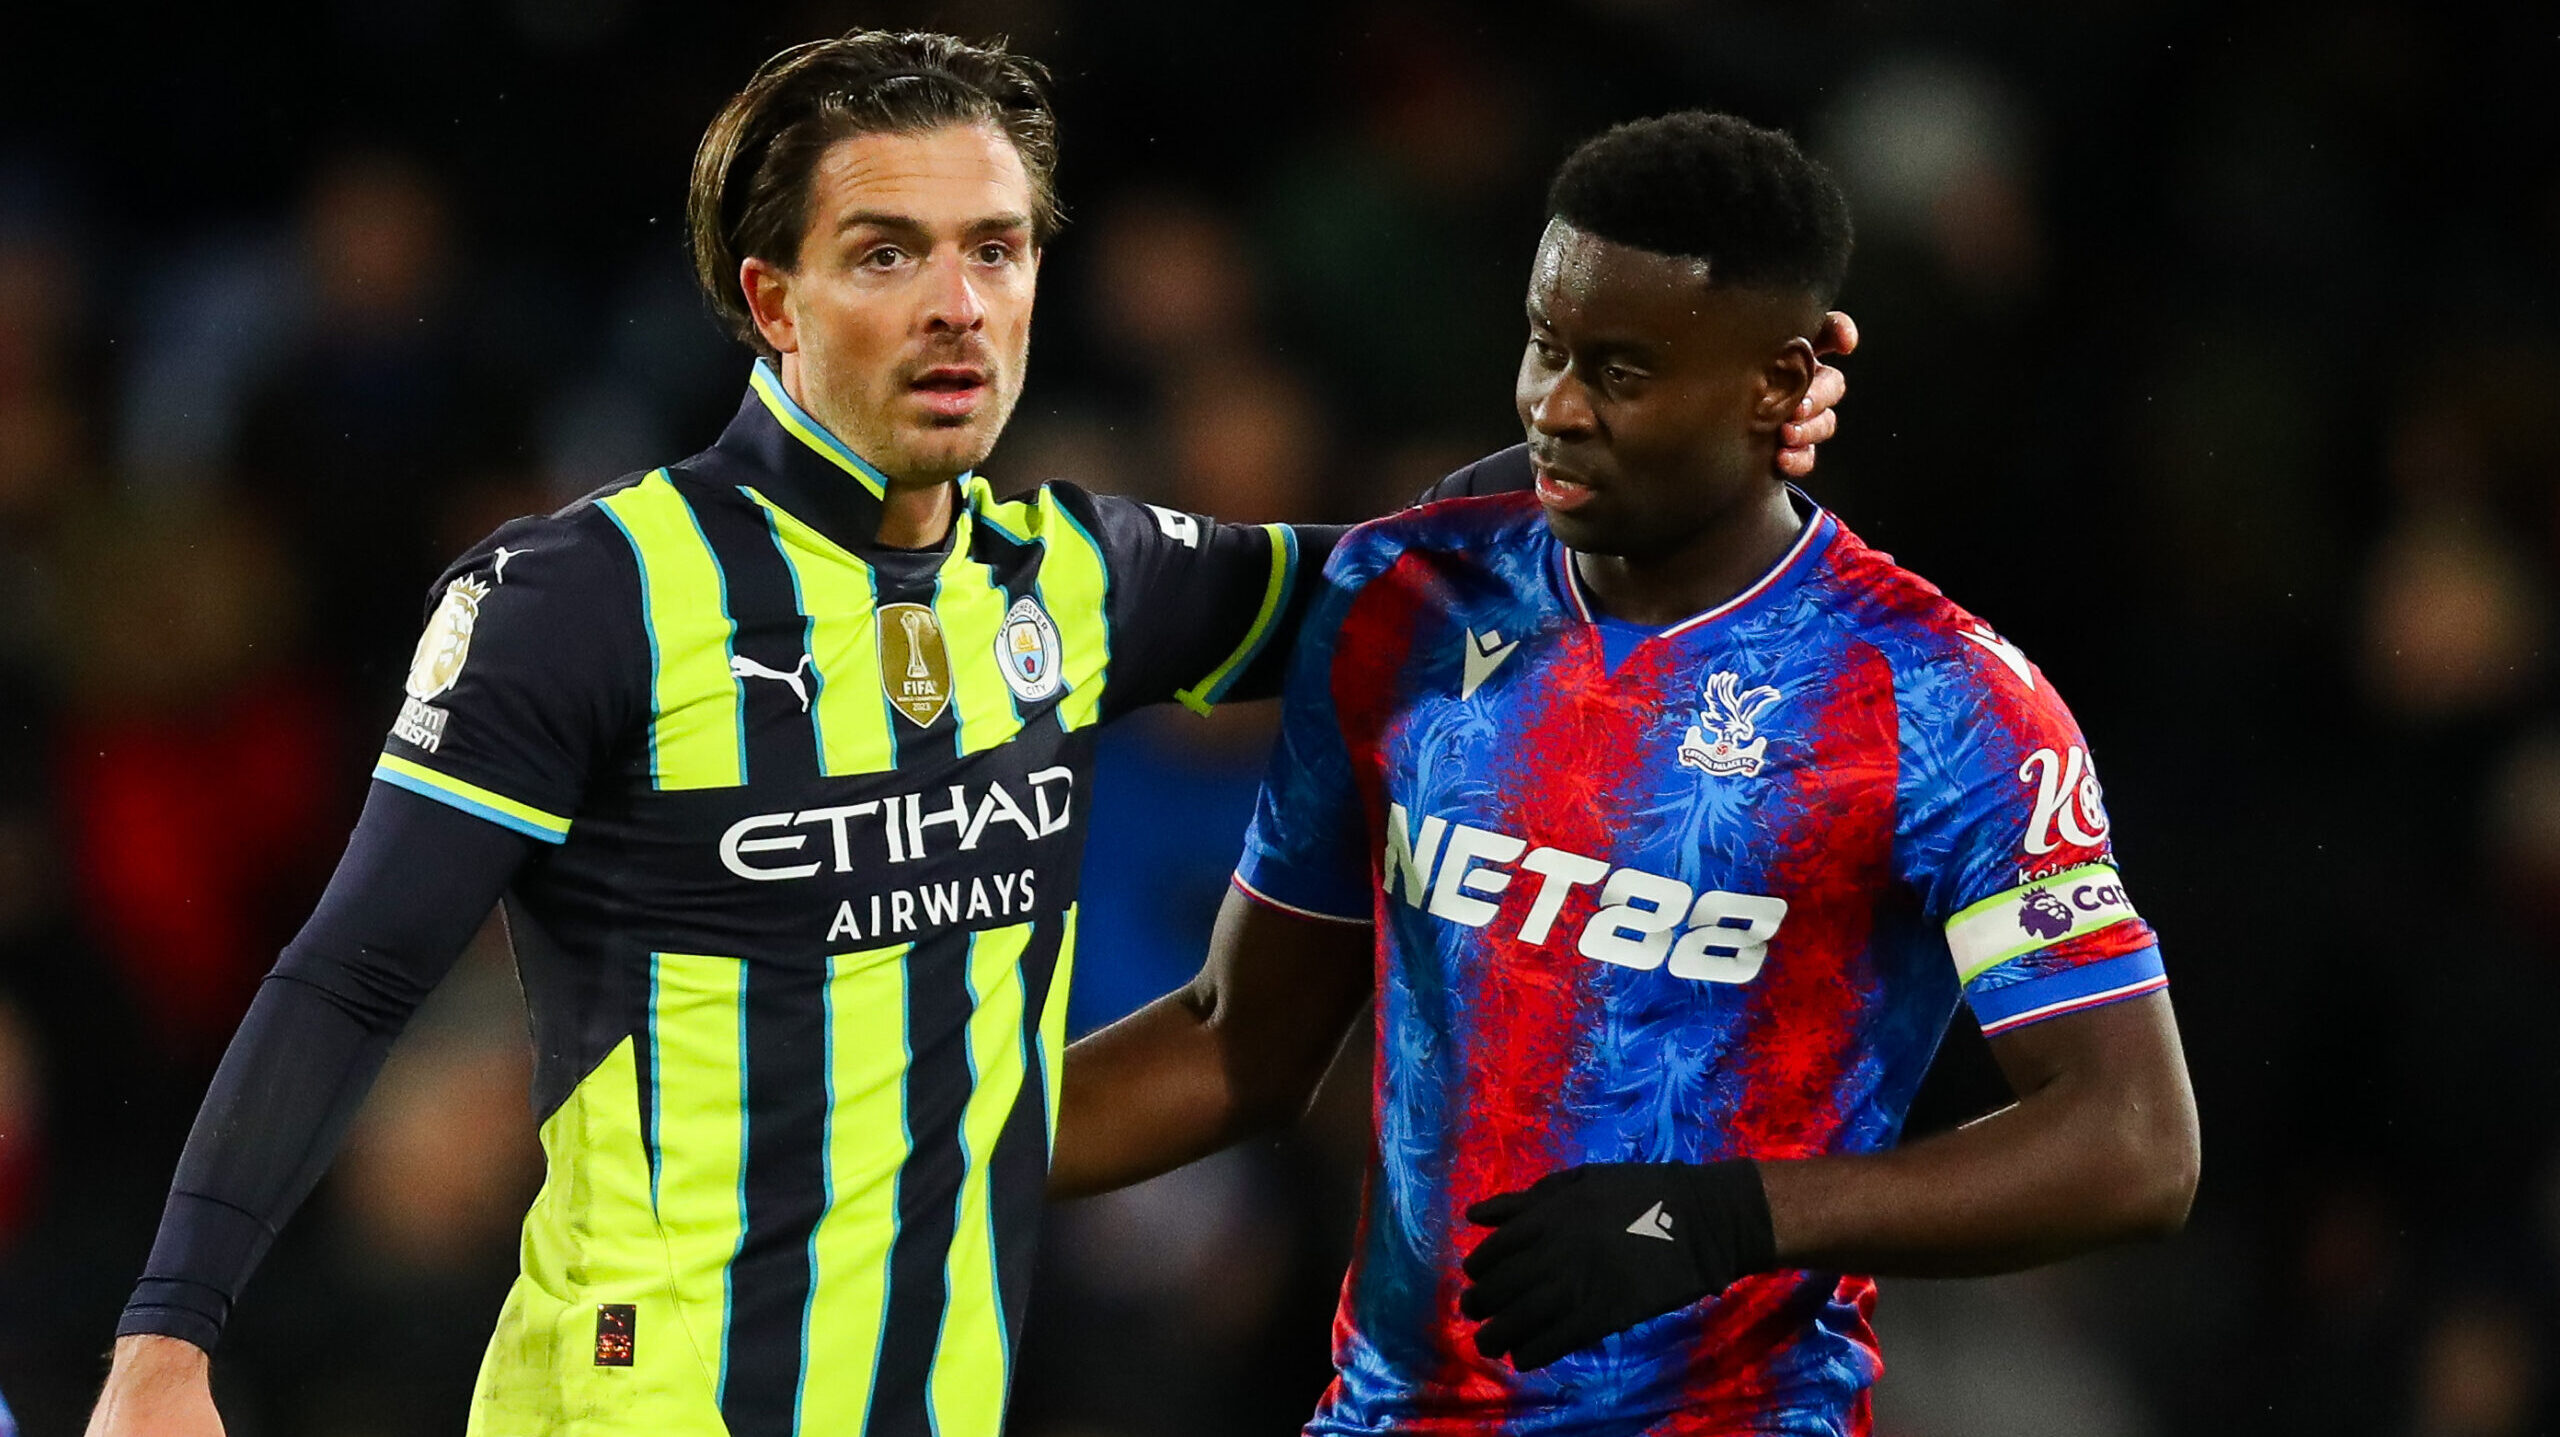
x=1725, y=739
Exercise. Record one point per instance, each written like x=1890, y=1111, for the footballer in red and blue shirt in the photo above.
x=1667, y=823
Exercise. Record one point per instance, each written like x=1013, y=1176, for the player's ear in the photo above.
x=1784, y=378
x=768, y=290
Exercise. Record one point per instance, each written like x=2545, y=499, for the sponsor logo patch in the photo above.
x=2066, y=905
x=420, y=725
x=2070, y=808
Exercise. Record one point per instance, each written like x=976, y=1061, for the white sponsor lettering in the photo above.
x=1459, y=876
x=1181, y=528
x=420, y=725
x=2068, y=802
x=735, y=845
x=905, y=829
x=1645, y=921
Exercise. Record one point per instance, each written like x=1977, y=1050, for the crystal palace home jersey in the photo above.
x=797, y=949
x=1719, y=900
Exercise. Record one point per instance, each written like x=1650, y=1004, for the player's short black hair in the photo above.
x=750, y=193
x=1713, y=187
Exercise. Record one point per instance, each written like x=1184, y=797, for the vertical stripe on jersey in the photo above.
x=866, y=1146
x=1053, y=1024
x=966, y=1391
x=771, y=644
x=937, y=1093
x=697, y=734
x=841, y=595
x=969, y=602
x=1020, y=1167
x=782, y=1194
x=697, y=1017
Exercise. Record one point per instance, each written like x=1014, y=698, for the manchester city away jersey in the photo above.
x=797, y=941
x=1717, y=899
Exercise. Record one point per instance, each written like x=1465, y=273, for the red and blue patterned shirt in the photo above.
x=1706, y=893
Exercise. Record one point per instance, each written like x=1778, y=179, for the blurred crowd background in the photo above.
x=2211, y=353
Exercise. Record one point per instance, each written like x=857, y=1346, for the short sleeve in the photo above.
x=1307, y=848
x=531, y=668
x=1199, y=609
x=2003, y=833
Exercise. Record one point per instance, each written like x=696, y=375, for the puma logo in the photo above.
x=742, y=667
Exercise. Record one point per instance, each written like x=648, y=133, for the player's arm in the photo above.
x=1242, y=1047
x=417, y=880
x=2100, y=1148
x=1237, y=1051
x=533, y=665
x=1994, y=784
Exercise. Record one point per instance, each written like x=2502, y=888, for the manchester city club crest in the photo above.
x=1724, y=740
x=1027, y=651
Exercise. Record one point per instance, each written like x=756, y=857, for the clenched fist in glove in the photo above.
x=1596, y=1249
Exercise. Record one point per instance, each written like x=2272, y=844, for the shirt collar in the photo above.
x=792, y=460
x=1800, y=559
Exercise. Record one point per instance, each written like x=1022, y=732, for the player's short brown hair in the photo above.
x=750, y=193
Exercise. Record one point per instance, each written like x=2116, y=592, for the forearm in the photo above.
x=418, y=878
x=1237, y=1051
x=293, y=1079
x=2056, y=1174
x=1145, y=1096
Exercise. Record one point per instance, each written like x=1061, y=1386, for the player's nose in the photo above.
x=952, y=299
x=1557, y=405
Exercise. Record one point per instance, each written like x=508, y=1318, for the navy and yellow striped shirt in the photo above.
x=797, y=954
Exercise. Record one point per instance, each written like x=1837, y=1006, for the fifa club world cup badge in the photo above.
x=1027, y=651
x=1725, y=739
x=915, y=670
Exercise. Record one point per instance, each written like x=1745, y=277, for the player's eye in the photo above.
x=887, y=256
x=995, y=252
x=1549, y=355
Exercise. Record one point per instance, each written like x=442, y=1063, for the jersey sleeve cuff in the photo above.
x=1268, y=883
x=2011, y=1006
x=1209, y=692
x=471, y=798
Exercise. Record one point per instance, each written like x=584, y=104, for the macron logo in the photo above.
x=1654, y=1223
x=1481, y=657
x=2005, y=651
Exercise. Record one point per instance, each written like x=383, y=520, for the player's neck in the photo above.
x=915, y=510
x=1725, y=558
x=916, y=516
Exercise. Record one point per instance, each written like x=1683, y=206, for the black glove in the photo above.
x=1597, y=1249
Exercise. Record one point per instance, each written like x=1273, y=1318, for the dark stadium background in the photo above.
x=2210, y=353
